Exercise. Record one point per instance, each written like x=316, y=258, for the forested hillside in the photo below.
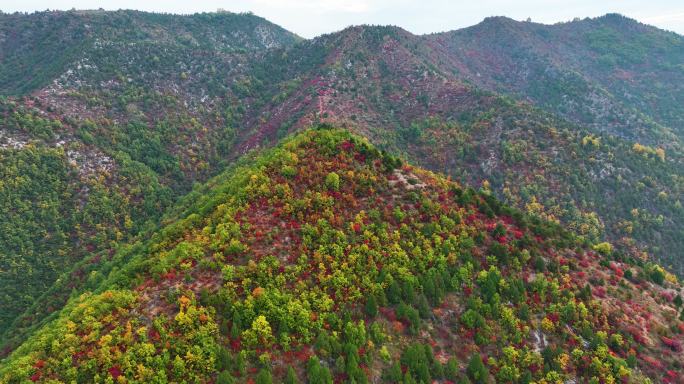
x=388, y=85
x=36, y=49
x=75, y=184
x=108, y=118
x=325, y=259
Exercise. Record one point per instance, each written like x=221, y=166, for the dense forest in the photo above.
x=325, y=260
x=125, y=135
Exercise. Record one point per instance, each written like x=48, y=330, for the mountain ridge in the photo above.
x=81, y=32
x=122, y=119
x=285, y=251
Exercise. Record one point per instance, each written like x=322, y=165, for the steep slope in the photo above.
x=162, y=102
x=611, y=72
x=37, y=48
x=109, y=137
x=61, y=200
x=386, y=84
x=324, y=258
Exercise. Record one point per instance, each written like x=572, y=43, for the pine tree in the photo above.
x=477, y=370
x=423, y=307
x=393, y=374
x=241, y=363
x=322, y=344
x=264, y=377
x=526, y=378
x=225, y=378
x=451, y=370
x=291, y=377
x=317, y=374
x=371, y=307
x=224, y=360
x=394, y=293
x=417, y=362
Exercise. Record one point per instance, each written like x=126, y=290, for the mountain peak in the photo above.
x=498, y=20
x=615, y=17
x=325, y=249
x=137, y=245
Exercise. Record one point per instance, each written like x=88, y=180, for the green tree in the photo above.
x=241, y=363
x=316, y=373
x=604, y=248
x=322, y=344
x=393, y=373
x=224, y=360
x=332, y=181
x=291, y=377
x=477, y=371
x=225, y=378
x=260, y=333
x=451, y=370
x=394, y=292
x=411, y=315
x=264, y=377
x=371, y=306
x=417, y=363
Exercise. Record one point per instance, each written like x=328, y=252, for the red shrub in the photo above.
x=668, y=296
x=235, y=344
x=653, y=362
x=170, y=275
x=357, y=227
x=599, y=292
x=398, y=327
x=115, y=371
x=347, y=146
x=675, y=345
x=534, y=368
x=619, y=273
x=153, y=334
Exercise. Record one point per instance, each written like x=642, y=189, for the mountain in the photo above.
x=123, y=113
x=74, y=184
x=610, y=73
x=394, y=88
x=43, y=46
x=324, y=258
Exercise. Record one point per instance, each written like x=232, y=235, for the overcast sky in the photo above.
x=310, y=18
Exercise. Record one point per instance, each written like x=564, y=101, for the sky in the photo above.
x=309, y=18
